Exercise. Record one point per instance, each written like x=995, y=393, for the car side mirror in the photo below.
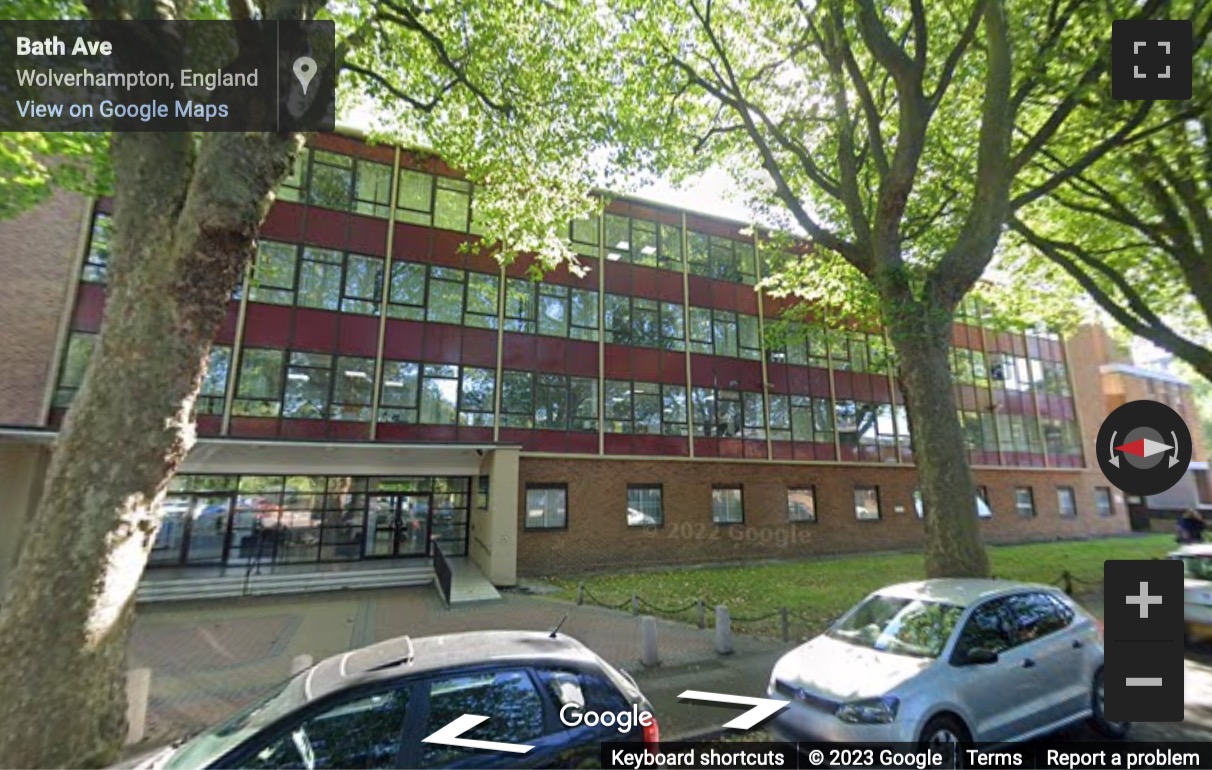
x=980, y=656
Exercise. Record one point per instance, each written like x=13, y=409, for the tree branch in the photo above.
x=411, y=20
x=956, y=53
x=424, y=106
x=1141, y=321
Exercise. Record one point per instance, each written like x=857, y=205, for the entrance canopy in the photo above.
x=222, y=456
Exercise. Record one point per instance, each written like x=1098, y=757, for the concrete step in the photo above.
x=227, y=586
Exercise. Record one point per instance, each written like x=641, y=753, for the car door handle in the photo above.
x=1077, y=644
x=1028, y=663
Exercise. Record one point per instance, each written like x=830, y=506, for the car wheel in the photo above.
x=1098, y=722
x=946, y=734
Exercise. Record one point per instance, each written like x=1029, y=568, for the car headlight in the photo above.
x=870, y=711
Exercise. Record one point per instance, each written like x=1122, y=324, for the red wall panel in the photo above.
x=403, y=340
x=315, y=330
x=90, y=307
x=267, y=326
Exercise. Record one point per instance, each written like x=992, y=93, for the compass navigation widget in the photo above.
x=1144, y=447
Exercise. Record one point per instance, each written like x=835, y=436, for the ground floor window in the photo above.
x=1024, y=501
x=644, y=505
x=801, y=504
x=1066, y=501
x=1102, y=501
x=727, y=505
x=546, y=506
x=246, y=519
x=867, y=503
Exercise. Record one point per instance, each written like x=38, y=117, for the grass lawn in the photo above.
x=817, y=591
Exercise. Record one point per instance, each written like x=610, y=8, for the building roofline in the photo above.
x=361, y=134
x=1133, y=370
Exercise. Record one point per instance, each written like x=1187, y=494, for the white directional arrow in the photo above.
x=1144, y=447
x=449, y=736
x=762, y=708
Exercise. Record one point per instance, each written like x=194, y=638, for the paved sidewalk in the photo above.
x=211, y=658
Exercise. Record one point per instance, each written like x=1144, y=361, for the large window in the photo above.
x=550, y=309
x=801, y=418
x=1066, y=501
x=214, y=385
x=96, y=262
x=790, y=342
x=75, y=363
x=801, y=504
x=425, y=199
x=288, y=274
x=259, y=389
x=724, y=333
x=728, y=413
x=1103, y=501
x=639, y=241
x=870, y=427
x=1024, y=501
x=644, y=505
x=546, y=506
x=722, y=258
x=552, y=401
x=645, y=407
x=644, y=322
x=867, y=503
x=436, y=394
x=340, y=182
x=727, y=505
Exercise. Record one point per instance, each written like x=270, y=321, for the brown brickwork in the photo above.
x=598, y=538
x=37, y=252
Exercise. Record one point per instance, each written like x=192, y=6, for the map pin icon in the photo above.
x=305, y=70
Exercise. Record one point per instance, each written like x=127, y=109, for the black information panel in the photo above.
x=167, y=76
x=1143, y=673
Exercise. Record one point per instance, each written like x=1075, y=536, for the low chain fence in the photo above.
x=784, y=622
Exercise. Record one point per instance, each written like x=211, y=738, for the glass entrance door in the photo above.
x=398, y=525
x=193, y=530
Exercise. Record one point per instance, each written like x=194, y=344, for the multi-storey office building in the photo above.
x=376, y=388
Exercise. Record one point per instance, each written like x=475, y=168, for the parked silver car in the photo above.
x=948, y=661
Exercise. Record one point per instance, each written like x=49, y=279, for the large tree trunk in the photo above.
x=185, y=225
x=921, y=334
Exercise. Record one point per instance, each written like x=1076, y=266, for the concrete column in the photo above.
x=138, y=690
x=494, y=531
x=22, y=470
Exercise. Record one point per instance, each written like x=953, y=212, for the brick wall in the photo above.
x=598, y=538
x=37, y=252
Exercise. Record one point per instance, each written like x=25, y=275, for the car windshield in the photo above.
x=901, y=625
x=1199, y=567
x=208, y=745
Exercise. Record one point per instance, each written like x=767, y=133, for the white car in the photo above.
x=944, y=663
x=1197, y=590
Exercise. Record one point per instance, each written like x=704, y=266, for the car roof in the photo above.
x=404, y=656
x=960, y=591
x=1199, y=549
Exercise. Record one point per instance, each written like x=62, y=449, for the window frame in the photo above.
x=560, y=487
x=1018, y=507
x=1063, y=492
x=740, y=492
x=875, y=490
x=660, y=514
x=811, y=490
x=1101, y=493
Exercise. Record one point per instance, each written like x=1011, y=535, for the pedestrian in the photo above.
x=1191, y=527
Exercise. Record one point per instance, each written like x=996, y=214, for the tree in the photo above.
x=1134, y=231
x=473, y=78
x=897, y=136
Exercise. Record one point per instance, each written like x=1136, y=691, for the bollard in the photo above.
x=138, y=689
x=648, y=641
x=786, y=624
x=723, y=631
x=300, y=663
x=1068, y=583
x=580, y=593
x=635, y=604
x=702, y=614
